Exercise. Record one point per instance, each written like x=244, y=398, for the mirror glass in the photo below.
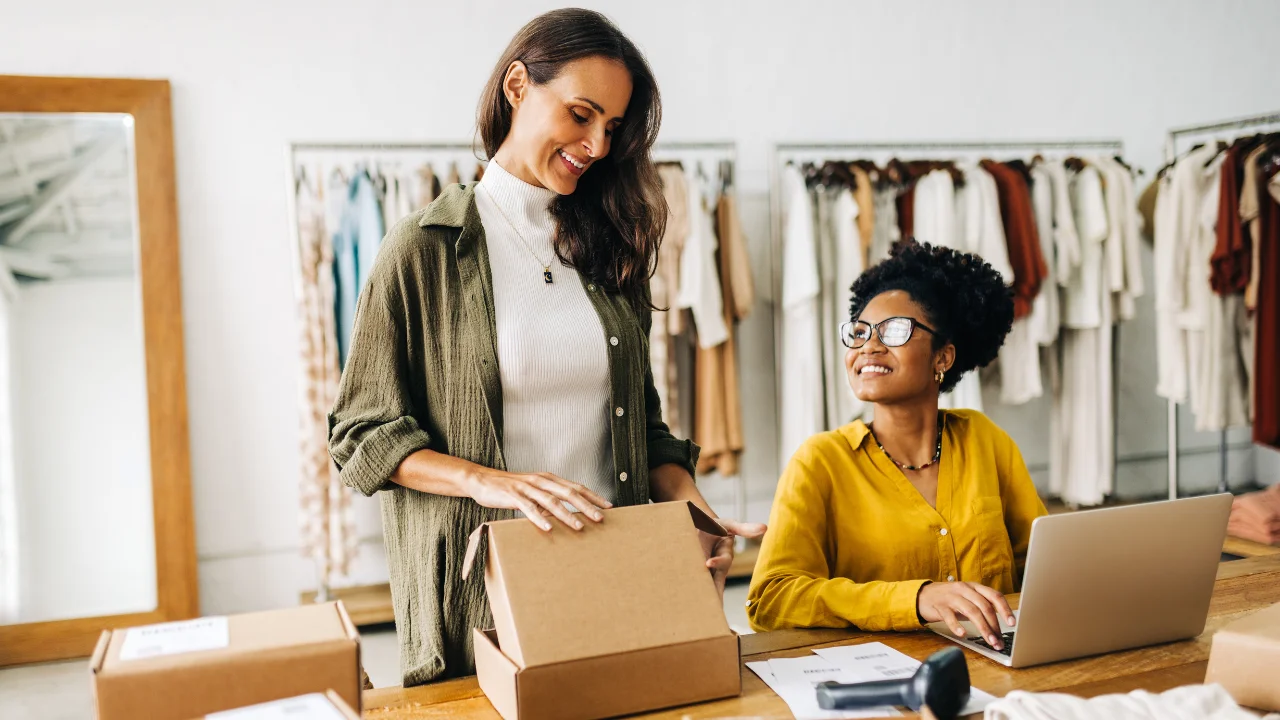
x=77, y=537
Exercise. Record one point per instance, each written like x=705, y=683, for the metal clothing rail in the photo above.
x=1172, y=138
x=784, y=153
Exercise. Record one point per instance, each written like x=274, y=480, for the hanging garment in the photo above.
x=1084, y=295
x=983, y=227
x=328, y=526
x=1029, y=269
x=355, y=247
x=1229, y=264
x=1249, y=189
x=1220, y=385
x=849, y=266
x=1045, y=316
x=663, y=286
x=1083, y=403
x=1066, y=237
x=390, y=200
x=1113, y=246
x=1182, y=258
x=1135, y=286
x=802, y=414
x=699, y=289
x=718, y=410
x=1020, y=354
x=887, y=233
x=1202, y=237
x=1266, y=365
x=935, y=212
x=1171, y=350
x=428, y=186
x=825, y=230
x=864, y=194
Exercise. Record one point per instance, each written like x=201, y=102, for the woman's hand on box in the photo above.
x=722, y=552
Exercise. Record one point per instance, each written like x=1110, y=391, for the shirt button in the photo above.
x=613, y=341
x=943, y=531
x=618, y=412
x=591, y=287
x=951, y=578
x=622, y=477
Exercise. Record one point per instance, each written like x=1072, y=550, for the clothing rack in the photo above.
x=787, y=153
x=1215, y=130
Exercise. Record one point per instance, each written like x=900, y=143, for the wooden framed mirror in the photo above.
x=96, y=526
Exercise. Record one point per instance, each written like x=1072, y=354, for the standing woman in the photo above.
x=499, y=362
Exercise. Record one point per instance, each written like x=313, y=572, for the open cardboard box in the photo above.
x=620, y=618
x=178, y=671
x=1244, y=658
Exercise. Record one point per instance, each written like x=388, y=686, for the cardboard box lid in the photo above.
x=1264, y=625
x=637, y=580
x=287, y=630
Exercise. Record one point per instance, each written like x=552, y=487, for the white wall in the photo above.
x=250, y=77
x=86, y=543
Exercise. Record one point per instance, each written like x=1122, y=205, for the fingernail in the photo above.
x=1011, y=620
x=577, y=525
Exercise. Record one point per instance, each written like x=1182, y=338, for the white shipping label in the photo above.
x=209, y=633
x=304, y=707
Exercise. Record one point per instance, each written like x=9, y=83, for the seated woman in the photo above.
x=921, y=516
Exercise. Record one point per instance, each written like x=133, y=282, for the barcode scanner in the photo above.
x=941, y=682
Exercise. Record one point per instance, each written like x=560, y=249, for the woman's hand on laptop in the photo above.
x=947, y=602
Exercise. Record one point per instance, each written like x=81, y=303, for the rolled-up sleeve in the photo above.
x=374, y=424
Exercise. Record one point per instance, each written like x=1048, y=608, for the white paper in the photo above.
x=800, y=696
x=304, y=707
x=810, y=669
x=877, y=661
x=209, y=633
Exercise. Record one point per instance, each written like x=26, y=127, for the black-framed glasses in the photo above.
x=893, y=332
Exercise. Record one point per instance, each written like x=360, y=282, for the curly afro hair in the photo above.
x=963, y=297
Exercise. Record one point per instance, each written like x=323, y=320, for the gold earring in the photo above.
x=942, y=375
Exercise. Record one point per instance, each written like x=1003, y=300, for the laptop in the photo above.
x=1098, y=581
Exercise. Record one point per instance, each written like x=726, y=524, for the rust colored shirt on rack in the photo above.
x=1266, y=363
x=1025, y=254
x=1229, y=264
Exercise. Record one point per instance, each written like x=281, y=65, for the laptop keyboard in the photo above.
x=1008, y=643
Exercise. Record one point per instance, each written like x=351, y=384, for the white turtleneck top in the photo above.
x=552, y=350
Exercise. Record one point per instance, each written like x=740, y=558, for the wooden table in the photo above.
x=1243, y=586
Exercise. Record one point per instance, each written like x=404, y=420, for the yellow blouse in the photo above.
x=851, y=541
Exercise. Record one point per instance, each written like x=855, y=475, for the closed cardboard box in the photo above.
x=1245, y=659
x=620, y=618
x=178, y=671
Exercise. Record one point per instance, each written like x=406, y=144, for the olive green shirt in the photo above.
x=422, y=372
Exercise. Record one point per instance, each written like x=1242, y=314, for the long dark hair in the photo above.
x=610, y=228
